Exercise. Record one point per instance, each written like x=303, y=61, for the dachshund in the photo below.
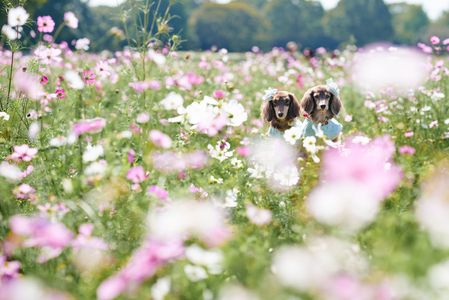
x=320, y=104
x=280, y=110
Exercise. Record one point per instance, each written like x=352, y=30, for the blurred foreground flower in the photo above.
x=355, y=180
x=432, y=207
x=378, y=68
x=274, y=160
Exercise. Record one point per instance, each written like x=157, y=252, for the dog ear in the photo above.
x=267, y=111
x=308, y=103
x=335, y=104
x=293, y=109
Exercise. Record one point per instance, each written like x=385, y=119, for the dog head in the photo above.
x=320, y=99
x=282, y=106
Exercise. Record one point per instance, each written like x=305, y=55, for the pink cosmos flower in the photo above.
x=23, y=153
x=408, y=134
x=9, y=270
x=136, y=174
x=45, y=24
x=158, y=192
x=40, y=232
x=89, y=77
x=145, y=261
x=143, y=118
x=25, y=192
x=407, y=150
x=89, y=126
x=258, y=216
x=243, y=151
x=172, y=162
x=28, y=84
x=131, y=156
x=86, y=240
x=369, y=165
x=434, y=40
x=160, y=139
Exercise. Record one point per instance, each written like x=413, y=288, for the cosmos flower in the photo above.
x=23, y=153
x=71, y=20
x=88, y=126
x=45, y=24
x=17, y=16
x=160, y=139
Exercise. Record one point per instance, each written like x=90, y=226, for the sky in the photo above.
x=434, y=8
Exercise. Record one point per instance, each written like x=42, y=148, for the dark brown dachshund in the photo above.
x=281, y=110
x=320, y=104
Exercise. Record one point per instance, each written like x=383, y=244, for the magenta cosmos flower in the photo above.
x=368, y=164
x=45, y=24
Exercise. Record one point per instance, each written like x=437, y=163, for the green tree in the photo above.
x=440, y=27
x=234, y=26
x=295, y=20
x=365, y=21
x=410, y=22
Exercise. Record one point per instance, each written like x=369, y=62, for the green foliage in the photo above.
x=366, y=21
x=298, y=21
x=410, y=22
x=234, y=26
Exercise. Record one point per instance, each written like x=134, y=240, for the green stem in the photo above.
x=58, y=31
x=10, y=81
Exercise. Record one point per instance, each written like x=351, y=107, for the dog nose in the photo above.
x=281, y=114
x=323, y=106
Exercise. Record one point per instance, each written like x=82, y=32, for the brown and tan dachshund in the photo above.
x=281, y=110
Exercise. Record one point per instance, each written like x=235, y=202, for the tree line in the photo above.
x=241, y=24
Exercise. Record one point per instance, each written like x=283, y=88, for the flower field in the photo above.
x=150, y=175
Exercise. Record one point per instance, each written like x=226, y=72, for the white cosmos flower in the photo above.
x=231, y=198
x=293, y=134
x=432, y=208
x=309, y=144
x=97, y=168
x=161, y=288
x=211, y=259
x=48, y=55
x=11, y=33
x=17, y=16
x=204, y=220
x=195, y=273
x=311, y=266
x=4, y=116
x=92, y=153
x=71, y=20
x=344, y=204
x=438, y=278
x=158, y=58
x=258, y=216
x=221, y=151
x=74, y=80
x=287, y=176
x=10, y=172
x=172, y=101
x=235, y=112
x=58, y=141
x=82, y=44
x=200, y=112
